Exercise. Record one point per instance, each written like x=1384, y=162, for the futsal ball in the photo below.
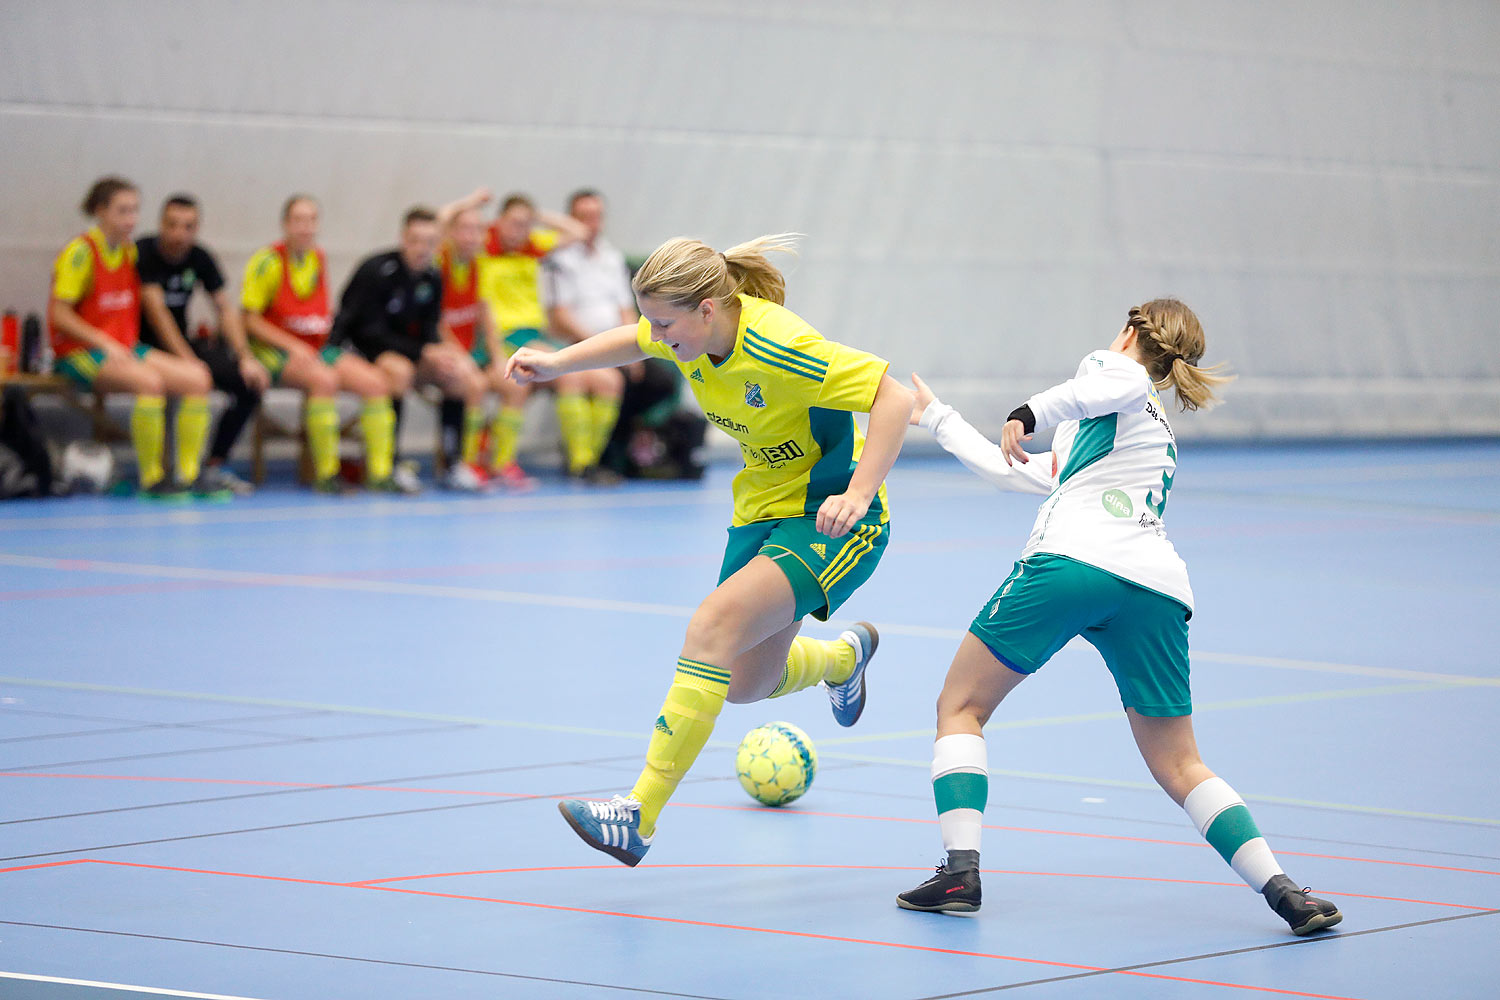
x=776, y=763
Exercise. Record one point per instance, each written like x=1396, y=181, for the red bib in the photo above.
x=306, y=318
x=112, y=303
x=461, y=303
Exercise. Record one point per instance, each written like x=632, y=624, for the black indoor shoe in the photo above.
x=1303, y=913
x=957, y=891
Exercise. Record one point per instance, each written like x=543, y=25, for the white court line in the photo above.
x=154, y=991
x=251, y=578
x=926, y=484
x=1380, y=473
x=343, y=511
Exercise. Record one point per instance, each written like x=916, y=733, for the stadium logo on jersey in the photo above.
x=1117, y=503
x=727, y=423
x=753, y=396
x=697, y=375
x=820, y=549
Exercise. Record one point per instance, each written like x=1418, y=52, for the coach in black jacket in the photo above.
x=390, y=313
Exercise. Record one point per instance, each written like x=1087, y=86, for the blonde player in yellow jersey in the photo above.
x=810, y=512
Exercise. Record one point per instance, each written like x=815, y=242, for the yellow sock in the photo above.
x=378, y=423
x=322, y=422
x=577, y=430
x=148, y=432
x=602, y=413
x=192, y=431
x=687, y=718
x=812, y=660
x=473, y=424
x=505, y=433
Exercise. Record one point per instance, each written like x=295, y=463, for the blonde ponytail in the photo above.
x=1171, y=343
x=685, y=271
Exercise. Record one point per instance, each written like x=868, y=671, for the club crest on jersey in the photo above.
x=753, y=396
x=697, y=375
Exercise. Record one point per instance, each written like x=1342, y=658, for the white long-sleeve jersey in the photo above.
x=1116, y=457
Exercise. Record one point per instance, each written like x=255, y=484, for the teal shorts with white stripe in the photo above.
x=1142, y=635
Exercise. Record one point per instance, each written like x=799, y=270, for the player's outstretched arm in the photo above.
x=883, y=438
x=609, y=349
x=991, y=462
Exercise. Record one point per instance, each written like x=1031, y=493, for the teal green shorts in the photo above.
x=1142, y=635
x=82, y=367
x=274, y=358
x=823, y=571
x=517, y=339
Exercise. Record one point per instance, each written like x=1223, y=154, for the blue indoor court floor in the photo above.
x=299, y=748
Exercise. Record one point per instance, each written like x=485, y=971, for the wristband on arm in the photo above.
x=1023, y=413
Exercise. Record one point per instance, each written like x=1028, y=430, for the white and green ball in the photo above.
x=776, y=763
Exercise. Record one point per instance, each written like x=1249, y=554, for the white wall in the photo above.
x=986, y=186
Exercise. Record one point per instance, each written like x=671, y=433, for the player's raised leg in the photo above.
x=1222, y=818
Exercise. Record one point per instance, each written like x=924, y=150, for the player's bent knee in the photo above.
x=199, y=381
x=145, y=382
x=713, y=634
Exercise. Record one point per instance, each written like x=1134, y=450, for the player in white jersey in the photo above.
x=1098, y=565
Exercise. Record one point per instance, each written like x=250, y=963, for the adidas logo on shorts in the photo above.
x=820, y=549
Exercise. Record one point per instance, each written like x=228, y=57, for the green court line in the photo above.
x=252, y=578
x=718, y=744
x=312, y=706
x=1075, y=779
x=1261, y=702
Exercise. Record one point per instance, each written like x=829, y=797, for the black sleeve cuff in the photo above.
x=1023, y=413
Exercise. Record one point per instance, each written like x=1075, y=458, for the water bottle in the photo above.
x=34, y=346
x=10, y=342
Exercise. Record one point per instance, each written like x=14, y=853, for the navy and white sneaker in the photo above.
x=613, y=827
x=848, y=699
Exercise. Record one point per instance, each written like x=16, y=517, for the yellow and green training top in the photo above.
x=788, y=396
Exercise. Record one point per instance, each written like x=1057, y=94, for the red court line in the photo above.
x=683, y=921
x=755, y=809
x=1076, y=833
x=46, y=864
x=110, y=590
x=274, y=784
x=377, y=882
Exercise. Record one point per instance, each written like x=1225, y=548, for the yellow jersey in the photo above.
x=263, y=277
x=788, y=396
x=73, y=271
x=509, y=280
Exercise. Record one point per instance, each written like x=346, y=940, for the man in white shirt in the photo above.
x=586, y=289
x=587, y=285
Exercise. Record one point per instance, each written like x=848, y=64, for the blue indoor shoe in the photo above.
x=613, y=827
x=848, y=699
